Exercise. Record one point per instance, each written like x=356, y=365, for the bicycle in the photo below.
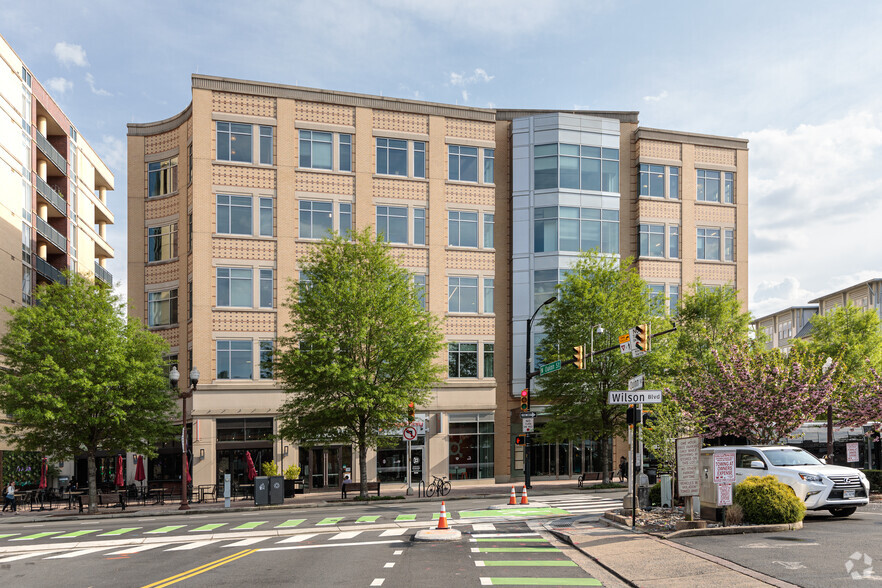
x=439, y=485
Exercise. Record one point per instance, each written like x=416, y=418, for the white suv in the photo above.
x=821, y=486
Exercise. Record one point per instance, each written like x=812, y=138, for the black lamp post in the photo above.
x=173, y=377
x=529, y=379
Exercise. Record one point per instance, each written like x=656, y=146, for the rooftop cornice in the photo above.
x=155, y=128
x=691, y=138
x=625, y=116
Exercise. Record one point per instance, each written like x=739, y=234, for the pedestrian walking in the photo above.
x=9, y=497
x=623, y=469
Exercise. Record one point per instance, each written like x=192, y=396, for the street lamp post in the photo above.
x=529, y=379
x=599, y=329
x=173, y=377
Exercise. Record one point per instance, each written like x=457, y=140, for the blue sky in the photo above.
x=800, y=80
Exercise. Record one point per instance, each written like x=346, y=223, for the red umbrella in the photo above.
x=119, y=481
x=252, y=473
x=139, y=470
x=187, y=466
x=43, y=470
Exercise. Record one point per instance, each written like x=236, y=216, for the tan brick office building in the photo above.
x=226, y=196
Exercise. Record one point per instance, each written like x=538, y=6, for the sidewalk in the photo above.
x=643, y=560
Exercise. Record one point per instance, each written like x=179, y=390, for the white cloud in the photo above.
x=112, y=151
x=479, y=75
x=90, y=79
x=465, y=96
x=59, y=86
x=657, y=98
x=69, y=54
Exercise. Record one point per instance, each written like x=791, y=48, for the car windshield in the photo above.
x=790, y=457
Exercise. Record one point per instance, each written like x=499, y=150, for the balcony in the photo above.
x=45, y=269
x=102, y=274
x=52, y=153
x=51, y=234
x=51, y=196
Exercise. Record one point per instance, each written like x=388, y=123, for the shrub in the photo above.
x=875, y=478
x=655, y=494
x=292, y=472
x=269, y=468
x=766, y=501
x=734, y=515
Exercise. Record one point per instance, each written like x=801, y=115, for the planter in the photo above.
x=293, y=487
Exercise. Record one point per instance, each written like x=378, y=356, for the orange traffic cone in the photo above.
x=442, y=520
x=524, y=496
x=512, y=499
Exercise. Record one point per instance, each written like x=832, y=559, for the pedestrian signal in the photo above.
x=411, y=413
x=579, y=356
x=648, y=420
x=521, y=440
x=631, y=415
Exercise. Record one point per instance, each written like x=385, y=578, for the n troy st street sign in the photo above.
x=635, y=383
x=549, y=367
x=634, y=397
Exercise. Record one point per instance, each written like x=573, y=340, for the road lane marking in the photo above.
x=247, y=542
x=122, y=531
x=209, y=527
x=393, y=532
x=26, y=555
x=367, y=519
x=378, y=581
x=196, y=571
x=290, y=523
x=483, y=527
x=251, y=525
x=489, y=535
x=193, y=545
x=345, y=535
x=329, y=521
x=166, y=529
x=398, y=552
x=331, y=545
x=557, y=563
x=515, y=550
x=405, y=517
x=78, y=552
x=298, y=538
x=540, y=582
x=36, y=536
x=514, y=539
x=137, y=549
x=4, y=536
x=76, y=534
x=389, y=564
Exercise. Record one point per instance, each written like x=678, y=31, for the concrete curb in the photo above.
x=622, y=522
x=569, y=541
x=437, y=535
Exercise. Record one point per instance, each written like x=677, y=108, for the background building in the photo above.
x=53, y=195
x=477, y=203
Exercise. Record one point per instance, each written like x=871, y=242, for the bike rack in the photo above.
x=421, y=488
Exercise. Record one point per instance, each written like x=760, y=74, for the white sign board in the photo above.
x=625, y=343
x=724, y=467
x=688, y=480
x=724, y=494
x=635, y=383
x=634, y=397
x=851, y=449
x=409, y=433
x=527, y=424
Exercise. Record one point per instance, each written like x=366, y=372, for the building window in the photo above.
x=266, y=217
x=544, y=283
x=729, y=245
x=567, y=228
x=488, y=230
x=234, y=360
x=266, y=288
x=462, y=163
x=674, y=182
x=708, y=244
x=728, y=187
x=234, y=215
x=784, y=330
x=708, y=186
x=488, y=295
x=392, y=224
x=419, y=283
x=266, y=145
x=234, y=287
x=674, y=242
x=316, y=149
x=462, y=228
x=162, y=242
x=657, y=298
x=26, y=284
x=652, y=240
x=266, y=360
x=190, y=231
x=345, y=219
x=652, y=180
x=489, y=159
x=488, y=360
x=391, y=157
x=316, y=219
x=162, y=308
x=233, y=142
x=471, y=446
x=419, y=226
x=462, y=360
x=344, y=152
x=190, y=301
x=674, y=299
x=162, y=177
x=419, y=159
x=190, y=163
x=578, y=167
x=462, y=294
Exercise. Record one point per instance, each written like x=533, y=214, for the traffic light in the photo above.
x=579, y=356
x=643, y=337
x=520, y=440
x=525, y=400
x=648, y=420
x=411, y=413
x=631, y=415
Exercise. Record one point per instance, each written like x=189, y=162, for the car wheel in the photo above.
x=843, y=512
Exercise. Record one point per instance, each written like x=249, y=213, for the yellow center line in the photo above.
x=196, y=571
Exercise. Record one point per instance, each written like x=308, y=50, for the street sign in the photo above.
x=549, y=367
x=527, y=424
x=688, y=479
x=724, y=494
x=528, y=415
x=851, y=451
x=625, y=338
x=632, y=336
x=409, y=434
x=625, y=343
x=635, y=383
x=724, y=467
x=634, y=397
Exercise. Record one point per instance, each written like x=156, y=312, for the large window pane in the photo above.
x=266, y=288
x=462, y=294
x=234, y=215
x=266, y=217
x=419, y=159
x=266, y=145
x=316, y=219
x=489, y=172
x=345, y=158
x=234, y=287
x=463, y=360
x=234, y=360
x=462, y=228
x=590, y=173
x=316, y=149
x=545, y=167
x=392, y=223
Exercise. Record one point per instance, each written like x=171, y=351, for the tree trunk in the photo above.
x=604, y=449
x=362, y=459
x=93, y=482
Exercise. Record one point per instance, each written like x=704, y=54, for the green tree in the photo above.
x=80, y=378
x=670, y=421
x=598, y=290
x=361, y=347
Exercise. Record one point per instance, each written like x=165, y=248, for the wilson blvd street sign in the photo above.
x=634, y=397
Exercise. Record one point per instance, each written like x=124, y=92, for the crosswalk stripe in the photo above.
x=515, y=539
x=78, y=553
x=251, y=525
x=76, y=534
x=501, y=563
x=8, y=535
x=345, y=535
x=122, y=531
x=496, y=535
x=138, y=548
x=367, y=519
x=247, y=542
x=209, y=527
x=405, y=517
x=193, y=545
x=393, y=532
x=162, y=530
x=329, y=521
x=483, y=527
x=25, y=555
x=514, y=549
x=298, y=538
x=36, y=536
x=290, y=523
x=540, y=582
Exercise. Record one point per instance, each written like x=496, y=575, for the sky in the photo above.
x=800, y=80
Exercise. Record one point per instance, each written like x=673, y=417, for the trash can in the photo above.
x=261, y=490
x=667, y=492
x=643, y=491
x=276, y=490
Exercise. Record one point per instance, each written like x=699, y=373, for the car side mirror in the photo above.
x=757, y=465
x=823, y=460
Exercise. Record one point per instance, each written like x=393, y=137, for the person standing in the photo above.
x=623, y=469
x=9, y=497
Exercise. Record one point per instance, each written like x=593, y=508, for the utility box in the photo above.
x=667, y=491
x=276, y=490
x=261, y=490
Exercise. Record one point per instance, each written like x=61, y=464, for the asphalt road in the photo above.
x=364, y=545
x=825, y=552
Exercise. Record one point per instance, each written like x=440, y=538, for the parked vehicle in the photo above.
x=820, y=485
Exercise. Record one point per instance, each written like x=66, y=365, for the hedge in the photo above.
x=766, y=501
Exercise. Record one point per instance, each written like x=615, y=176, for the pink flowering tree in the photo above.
x=860, y=401
x=750, y=392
